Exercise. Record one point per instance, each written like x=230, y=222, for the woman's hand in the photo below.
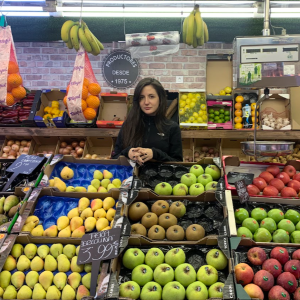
x=140, y=155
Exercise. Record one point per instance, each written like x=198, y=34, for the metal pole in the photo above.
x=266, y=30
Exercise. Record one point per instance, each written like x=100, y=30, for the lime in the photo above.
x=211, y=115
x=227, y=118
x=221, y=111
x=210, y=111
x=227, y=113
x=216, y=118
x=222, y=120
x=221, y=116
x=211, y=120
x=216, y=113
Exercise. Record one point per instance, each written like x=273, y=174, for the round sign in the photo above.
x=120, y=70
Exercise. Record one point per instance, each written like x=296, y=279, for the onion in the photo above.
x=75, y=155
x=25, y=152
x=18, y=143
x=23, y=143
x=204, y=149
x=94, y=156
x=73, y=151
x=26, y=149
x=66, y=151
x=78, y=147
x=6, y=149
x=74, y=144
x=4, y=155
x=61, y=150
x=12, y=152
x=79, y=151
x=10, y=142
x=81, y=144
x=63, y=144
x=15, y=147
x=207, y=155
x=11, y=157
x=211, y=150
x=50, y=152
x=69, y=147
x=88, y=156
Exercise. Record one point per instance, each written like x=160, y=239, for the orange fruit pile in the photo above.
x=238, y=112
x=89, y=99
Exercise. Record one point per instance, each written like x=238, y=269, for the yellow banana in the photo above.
x=199, y=24
x=184, y=29
x=65, y=30
x=201, y=40
x=85, y=43
x=98, y=42
x=190, y=29
x=206, y=34
x=74, y=37
x=92, y=41
x=194, y=35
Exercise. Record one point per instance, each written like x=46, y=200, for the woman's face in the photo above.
x=149, y=100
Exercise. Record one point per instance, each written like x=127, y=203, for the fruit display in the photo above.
x=268, y=273
x=12, y=149
x=74, y=148
x=194, y=29
x=219, y=114
x=175, y=274
x=8, y=208
x=44, y=272
x=76, y=217
x=53, y=111
x=276, y=182
x=201, y=152
x=175, y=220
x=224, y=92
x=73, y=33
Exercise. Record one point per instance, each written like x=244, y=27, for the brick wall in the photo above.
x=50, y=65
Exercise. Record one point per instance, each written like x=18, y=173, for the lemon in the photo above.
x=190, y=95
x=182, y=103
x=194, y=99
x=228, y=94
x=200, y=120
x=195, y=115
x=181, y=111
x=198, y=96
x=183, y=97
x=187, y=107
x=222, y=93
x=191, y=119
x=188, y=101
x=201, y=113
x=196, y=122
x=192, y=105
x=204, y=118
x=228, y=90
x=203, y=107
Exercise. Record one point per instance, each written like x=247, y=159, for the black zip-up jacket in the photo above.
x=166, y=146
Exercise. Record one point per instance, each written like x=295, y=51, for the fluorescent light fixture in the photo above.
x=21, y=8
x=27, y=14
x=157, y=2
x=285, y=15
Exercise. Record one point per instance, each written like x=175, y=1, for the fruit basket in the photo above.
x=219, y=114
x=88, y=124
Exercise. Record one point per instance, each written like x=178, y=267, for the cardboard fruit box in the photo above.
x=68, y=141
x=98, y=148
x=226, y=106
x=45, y=145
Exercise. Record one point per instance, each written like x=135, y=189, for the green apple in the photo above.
x=185, y=274
x=175, y=257
x=286, y=225
x=151, y=291
x=196, y=189
x=154, y=257
x=117, y=183
x=216, y=290
x=180, y=189
x=262, y=235
x=259, y=214
x=214, y=171
x=292, y=215
x=298, y=226
x=163, y=188
x=196, y=290
x=251, y=224
x=105, y=182
x=211, y=186
x=95, y=183
x=163, y=274
x=216, y=259
x=244, y=232
x=276, y=214
x=173, y=290
x=269, y=224
x=132, y=258
x=130, y=289
x=197, y=170
x=98, y=175
x=240, y=215
x=207, y=275
x=142, y=274
x=295, y=237
x=281, y=236
x=188, y=179
x=204, y=179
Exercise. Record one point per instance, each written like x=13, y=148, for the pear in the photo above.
x=50, y=263
x=80, y=189
x=3, y=219
x=96, y=204
x=74, y=280
x=67, y=173
x=108, y=203
x=32, y=278
x=101, y=224
x=43, y=251
x=25, y=292
x=86, y=213
x=5, y=279
x=77, y=250
x=13, y=210
x=38, y=231
x=107, y=174
x=111, y=186
x=74, y=266
x=82, y=292
x=9, y=202
x=63, y=264
x=62, y=222
x=2, y=199
x=99, y=213
x=69, y=250
x=102, y=189
x=38, y=292
x=83, y=203
x=86, y=280
x=53, y=293
x=95, y=183
x=117, y=183
x=91, y=189
x=98, y=175
x=1, y=292
x=29, y=226
x=10, y=263
x=10, y=293
x=75, y=223
x=60, y=280
x=90, y=224
x=105, y=183
x=51, y=231
x=68, y=293
x=73, y=213
x=65, y=232
x=30, y=250
x=17, y=279
x=79, y=232
x=110, y=214
x=51, y=182
x=70, y=189
x=17, y=250
x=37, y=264
x=56, y=250
x=58, y=183
x=23, y=263
x=34, y=219
x=45, y=279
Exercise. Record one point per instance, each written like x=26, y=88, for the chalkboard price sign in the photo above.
x=241, y=190
x=25, y=164
x=120, y=70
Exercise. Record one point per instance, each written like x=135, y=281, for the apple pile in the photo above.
x=168, y=277
x=266, y=226
x=273, y=182
x=193, y=183
x=161, y=222
x=278, y=275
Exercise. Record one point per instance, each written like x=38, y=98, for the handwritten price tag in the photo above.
x=241, y=190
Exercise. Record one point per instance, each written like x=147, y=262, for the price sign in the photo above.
x=232, y=177
x=242, y=191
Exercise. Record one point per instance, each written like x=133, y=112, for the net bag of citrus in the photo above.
x=11, y=88
x=82, y=99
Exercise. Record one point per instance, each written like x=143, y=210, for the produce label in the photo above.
x=233, y=177
x=25, y=164
x=242, y=191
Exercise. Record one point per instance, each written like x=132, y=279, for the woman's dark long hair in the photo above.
x=134, y=126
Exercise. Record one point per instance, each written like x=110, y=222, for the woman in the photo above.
x=147, y=133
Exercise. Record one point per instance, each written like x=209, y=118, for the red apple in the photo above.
x=260, y=183
x=284, y=177
x=290, y=170
x=293, y=266
x=264, y=279
x=288, y=281
x=273, y=266
x=243, y=273
x=277, y=183
x=274, y=170
x=297, y=177
x=254, y=291
x=288, y=192
x=297, y=294
x=278, y=293
x=270, y=191
x=294, y=184
x=296, y=254
x=267, y=176
x=281, y=254
x=253, y=189
x=256, y=256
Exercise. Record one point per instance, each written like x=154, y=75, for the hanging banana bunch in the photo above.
x=72, y=33
x=194, y=31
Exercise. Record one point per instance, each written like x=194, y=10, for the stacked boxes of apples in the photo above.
x=269, y=273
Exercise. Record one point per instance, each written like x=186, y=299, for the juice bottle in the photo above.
x=247, y=120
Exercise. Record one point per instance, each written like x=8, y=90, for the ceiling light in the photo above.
x=27, y=14
x=21, y=8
